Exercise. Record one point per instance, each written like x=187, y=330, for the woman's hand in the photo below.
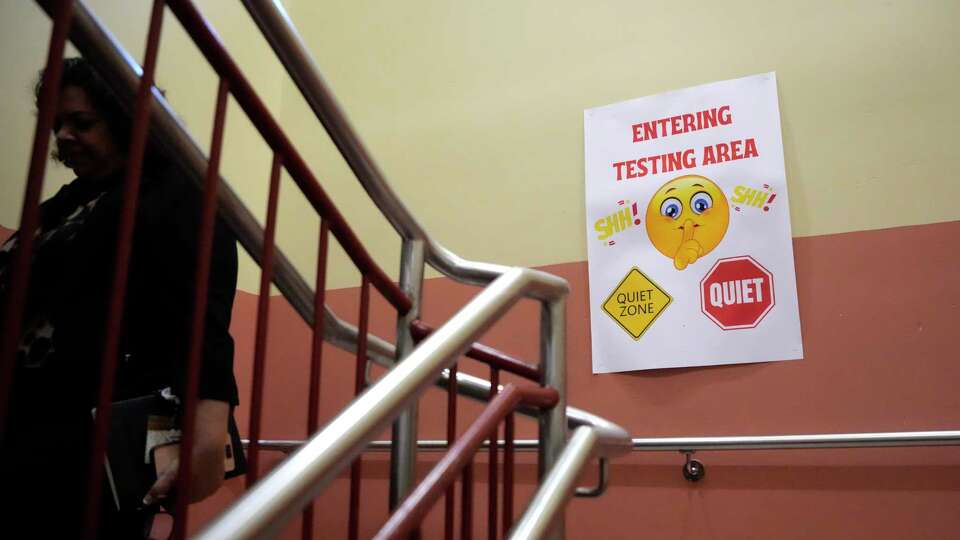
x=206, y=470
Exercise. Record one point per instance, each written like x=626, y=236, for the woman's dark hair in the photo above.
x=80, y=73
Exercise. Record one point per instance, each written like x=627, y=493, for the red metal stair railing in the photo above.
x=460, y=459
x=232, y=82
x=508, y=284
x=332, y=220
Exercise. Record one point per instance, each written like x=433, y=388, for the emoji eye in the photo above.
x=701, y=201
x=671, y=208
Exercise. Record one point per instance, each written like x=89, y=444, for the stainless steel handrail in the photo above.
x=558, y=486
x=680, y=444
x=785, y=442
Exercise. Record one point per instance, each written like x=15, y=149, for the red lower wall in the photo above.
x=879, y=312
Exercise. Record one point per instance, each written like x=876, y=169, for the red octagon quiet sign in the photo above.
x=737, y=293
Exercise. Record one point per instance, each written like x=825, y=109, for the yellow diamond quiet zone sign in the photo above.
x=636, y=302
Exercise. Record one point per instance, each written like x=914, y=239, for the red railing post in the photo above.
x=30, y=215
x=360, y=383
x=508, y=435
x=466, y=501
x=198, y=328
x=131, y=189
x=263, y=323
x=313, y=413
x=492, y=472
x=448, y=503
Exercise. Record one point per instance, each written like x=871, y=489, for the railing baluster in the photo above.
x=492, y=486
x=313, y=413
x=508, y=434
x=202, y=277
x=30, y=215
x=131, y=189
x=451, y=435
x=466, y=501
x=263, y=321
x=360, y=383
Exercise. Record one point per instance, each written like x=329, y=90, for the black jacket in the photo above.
x=44, y=453
x=71, y=281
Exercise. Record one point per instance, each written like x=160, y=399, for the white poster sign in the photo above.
x=688, y=229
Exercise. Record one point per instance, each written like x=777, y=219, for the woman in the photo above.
x=55, y=385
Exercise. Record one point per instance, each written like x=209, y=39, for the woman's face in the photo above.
x=84, y=142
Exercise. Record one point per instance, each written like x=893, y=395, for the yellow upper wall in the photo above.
x=188, y=81
x=474, y=109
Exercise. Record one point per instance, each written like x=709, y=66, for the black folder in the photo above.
x=130, y=473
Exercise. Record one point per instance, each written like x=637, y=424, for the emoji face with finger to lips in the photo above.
x=687, y=218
